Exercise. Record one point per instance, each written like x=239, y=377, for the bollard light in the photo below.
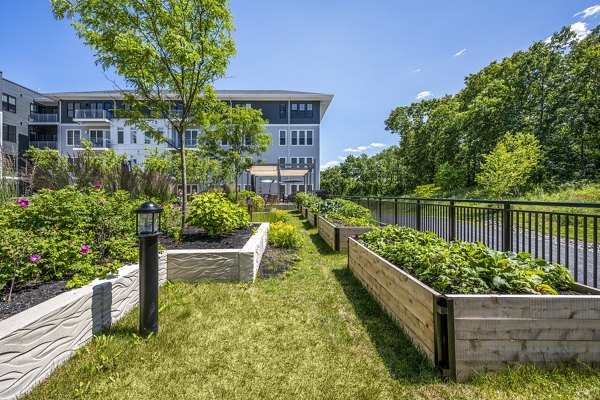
x=147, y=230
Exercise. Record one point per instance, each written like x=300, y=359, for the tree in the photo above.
x=168, y=51
x=506, y=169
x=237, y=138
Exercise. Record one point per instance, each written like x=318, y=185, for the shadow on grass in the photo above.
x=321, y=245
x=403, y=360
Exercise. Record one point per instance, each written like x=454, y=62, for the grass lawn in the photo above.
x=313, y=333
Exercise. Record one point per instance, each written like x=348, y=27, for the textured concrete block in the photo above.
x=197, y=265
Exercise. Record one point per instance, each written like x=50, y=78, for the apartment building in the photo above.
x=61, y=121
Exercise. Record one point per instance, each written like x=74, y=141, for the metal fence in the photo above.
x=565, y=233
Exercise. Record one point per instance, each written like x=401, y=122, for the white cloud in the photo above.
x=343, y=158
x=580, y=29
x=360, y=149
x=588, y=12
x=329, y=164
x=424, y=94
x=416, y=71
x=460, y=53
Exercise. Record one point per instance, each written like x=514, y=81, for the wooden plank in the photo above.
x=526, y=306
x=327, y=232
x=526, y=351
x=421, y=335
x=526, y=329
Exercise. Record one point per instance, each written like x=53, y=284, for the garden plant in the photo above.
x=216, y=214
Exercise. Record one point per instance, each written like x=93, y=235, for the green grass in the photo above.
x=314, y=333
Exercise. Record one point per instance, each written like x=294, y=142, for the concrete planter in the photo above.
x=218, y=265
x=35, y=341
x=466, y=334
x=337, y=236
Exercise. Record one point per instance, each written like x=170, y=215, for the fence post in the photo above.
x=395, y=211
x=452, y=233
x=379, y=210
x=418, y=216
x=506, y=228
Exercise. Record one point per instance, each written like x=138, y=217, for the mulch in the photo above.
x=27, y=296
x=194, y=238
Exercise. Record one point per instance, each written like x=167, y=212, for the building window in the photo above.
x=147, y=139
x=224, y=142
x=72, y=109
x=281, y=160
x=248, y=105
x=294, y=110
x=282, y=137
x=120, y=136
x=309, y=138
x=191, y=138
x=302, y=113
x=309, y=110
x=9, y=103
x=97, y=138
x=9, y=133
x=73, y=137
x=294, y=138
x=247, y=140
x=301, y=160
x=282, y=110
x=309, y=160
x=294, y=160
x=133, y=136
x=302, y=138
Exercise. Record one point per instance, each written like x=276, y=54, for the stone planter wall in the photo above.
x=35, y=341
x=466, y=334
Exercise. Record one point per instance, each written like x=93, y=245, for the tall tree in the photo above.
x=168, y=51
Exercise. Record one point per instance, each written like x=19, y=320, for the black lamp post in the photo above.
x=147, y=225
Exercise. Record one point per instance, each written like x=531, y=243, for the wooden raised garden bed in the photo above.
x=312, y=218
x=337, y=236
x=466, y=334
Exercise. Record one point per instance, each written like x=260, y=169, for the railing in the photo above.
x=92, y=114
x=101, y=143
x=565, y=233
x=42, y=144
x=37, y=117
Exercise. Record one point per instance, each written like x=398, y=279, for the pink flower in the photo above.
x=161, y=207
x=34, y=258
x=23, y=202
x=102, y=201
x=97, y=186
x=84, y=249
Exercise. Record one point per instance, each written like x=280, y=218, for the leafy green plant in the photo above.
x=214, y=213
x=461, y=267
x=427, y=191
x=346, y=211
x=258, y=203
x=283, y=234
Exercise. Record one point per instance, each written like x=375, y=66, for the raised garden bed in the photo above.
x=312, y=218
x=337, y=236
x=466, y=334
x=35, y=341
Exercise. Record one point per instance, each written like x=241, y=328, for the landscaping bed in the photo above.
x=462, y=334
x=195, y=238
x=28, y=296
x=337, y=236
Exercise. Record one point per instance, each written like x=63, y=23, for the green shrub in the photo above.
x=281, y=216
x=214, y=213
x=346, y=211
x=463, y=268
x=283, y=235
x=77, y=234
x=258, y=203
x=427, y=191
x=448, y=177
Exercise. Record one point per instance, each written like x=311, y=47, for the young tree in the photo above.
x=238, y=138
x=168, y=51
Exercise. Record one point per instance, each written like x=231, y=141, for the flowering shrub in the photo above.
x=283, y=235
x=214, y=213
x=66, y=233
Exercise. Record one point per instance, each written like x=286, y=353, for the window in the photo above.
x=72, y=109
x=147, y=139
x=301, y=160
x=302, y=139
x=302, y=113
x=281, y=160
x=73, y=137
x=9, y=133
x=120, y=136
x=294, y=110
x=309, y=110
x=9, y=103
x=97, y=138
x=309, y=138
x=294, y=160
x=282, y=110
x=247, y=140
x=282, y=137
x=224, y=142
x=33, y=108
x=191, y=138
x=309, y=160
x=133, y=136
x=294, y=138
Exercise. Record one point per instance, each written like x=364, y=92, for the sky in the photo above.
x=372, y=56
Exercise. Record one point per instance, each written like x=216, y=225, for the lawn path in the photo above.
x=313, y=333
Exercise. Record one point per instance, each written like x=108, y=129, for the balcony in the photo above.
x=97, y=144
x=37, y=118
x=42, y=144
x=93, y=117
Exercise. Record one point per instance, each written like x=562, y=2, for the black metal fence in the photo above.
x=565, y=233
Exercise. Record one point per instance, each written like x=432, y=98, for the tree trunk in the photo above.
x=183, y=179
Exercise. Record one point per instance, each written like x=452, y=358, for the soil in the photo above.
x=194, y=238
x=27, y=296
x=276, y=261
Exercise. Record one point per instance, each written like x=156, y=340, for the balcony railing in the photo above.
x=101, y=143
x=42, y=144
x=43, y=118
x=93, y=114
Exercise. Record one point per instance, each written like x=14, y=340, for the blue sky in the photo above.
x=373, y=56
